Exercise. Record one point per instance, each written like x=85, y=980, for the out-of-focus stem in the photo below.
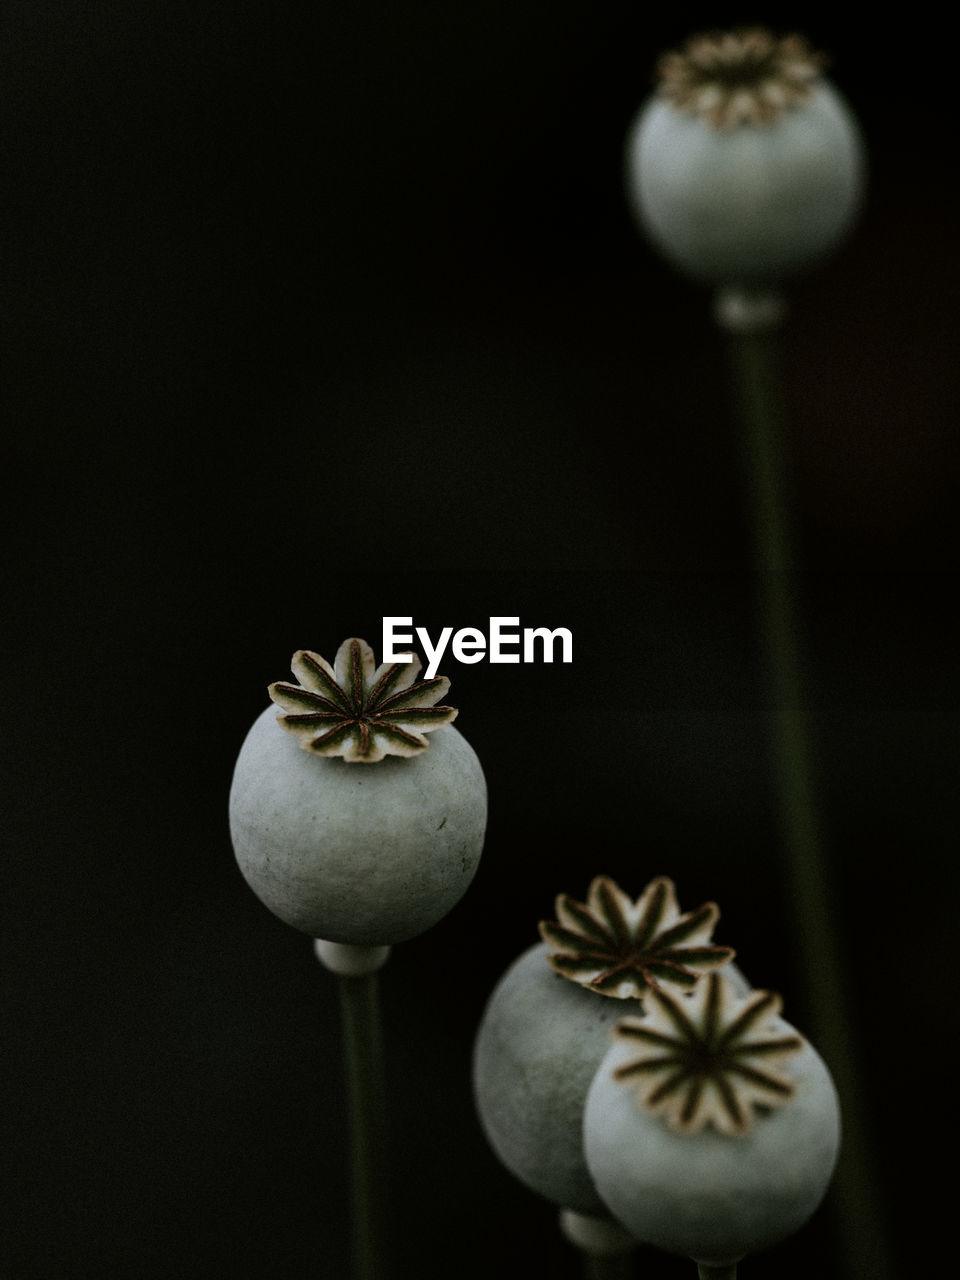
x=717, y=1270
x=754, y=360
x=611, y=1267
x=606, y=1248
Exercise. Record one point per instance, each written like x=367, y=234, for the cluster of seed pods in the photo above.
x=624, y=1066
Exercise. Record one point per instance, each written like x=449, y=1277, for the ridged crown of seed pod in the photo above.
x=623, y=948
x=711, y=1059
x=358, y=710
x=746, y=165
x=745, y=77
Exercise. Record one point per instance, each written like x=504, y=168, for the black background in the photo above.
x=314, y=314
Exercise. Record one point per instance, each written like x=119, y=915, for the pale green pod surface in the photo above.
x=362, y=854
x=539, y=1044
x=711, y=1195
x=750, y=204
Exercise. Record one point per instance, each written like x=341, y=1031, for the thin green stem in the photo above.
x=616, y=1266
x=717, y=1271
x=606, y=1248
x=359, y=1002
x=807, y=873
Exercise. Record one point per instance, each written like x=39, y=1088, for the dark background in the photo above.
x=314, y=314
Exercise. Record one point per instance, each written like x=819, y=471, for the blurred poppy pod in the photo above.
x=746, y=165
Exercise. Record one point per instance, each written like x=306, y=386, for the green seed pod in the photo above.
x=538, y=1047
x=547, y=1024
x=747, y=165
x=711, y=1127
x=367, y=856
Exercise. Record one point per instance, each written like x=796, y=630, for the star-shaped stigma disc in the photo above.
x=740, y=77
x=622, y=948
x=708, y=1058
x=358, y=710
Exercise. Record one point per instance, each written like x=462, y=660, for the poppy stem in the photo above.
x=605, y=1246
x=607, y=1267
x=717, y=1270
x=366, y=1093
x=751, y=326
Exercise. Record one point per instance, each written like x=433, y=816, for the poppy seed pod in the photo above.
x=547, y=1024
x=711, y=1127
x=343, y=822
x=747, y=164
x=536, y=1052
